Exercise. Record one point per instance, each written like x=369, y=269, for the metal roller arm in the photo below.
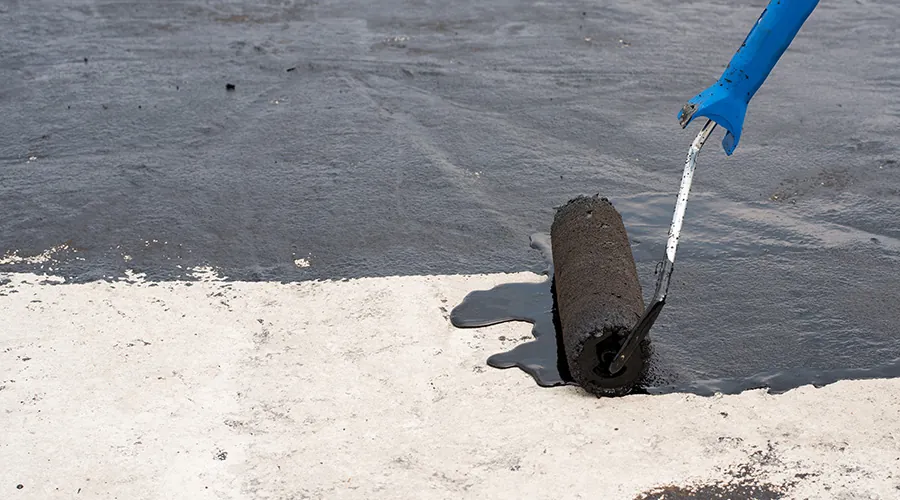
x=639, y=332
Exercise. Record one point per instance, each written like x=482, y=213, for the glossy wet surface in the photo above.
x=423, y=137
x=544, y=360
x=543, y=357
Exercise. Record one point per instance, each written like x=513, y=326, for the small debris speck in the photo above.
x=229, y=87
x=222, y=455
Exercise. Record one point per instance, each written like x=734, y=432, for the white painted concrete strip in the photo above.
x=363, y=390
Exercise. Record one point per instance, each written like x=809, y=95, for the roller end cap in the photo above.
x=592, y=370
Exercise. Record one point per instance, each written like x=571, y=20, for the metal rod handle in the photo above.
x=640, y=330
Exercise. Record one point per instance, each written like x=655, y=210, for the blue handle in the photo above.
x=725, y=102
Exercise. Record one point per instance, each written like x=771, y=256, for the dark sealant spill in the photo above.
x=778, y=239
x=541, y=358
x=544, y=358
x=715, y=491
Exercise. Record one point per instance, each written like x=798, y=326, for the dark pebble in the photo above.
x=20, y=486
x=229, y=87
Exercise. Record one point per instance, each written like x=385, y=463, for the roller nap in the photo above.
x=598, y=294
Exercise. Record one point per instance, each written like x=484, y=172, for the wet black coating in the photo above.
x=598, y=293
x=433, y=137
x=544, y=358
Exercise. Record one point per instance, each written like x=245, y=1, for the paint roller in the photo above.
x=603, y=319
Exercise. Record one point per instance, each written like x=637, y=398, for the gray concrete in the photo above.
x=361, y=390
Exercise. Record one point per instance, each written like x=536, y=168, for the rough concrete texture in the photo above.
x=363, y=389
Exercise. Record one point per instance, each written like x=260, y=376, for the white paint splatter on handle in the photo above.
x=685, y=189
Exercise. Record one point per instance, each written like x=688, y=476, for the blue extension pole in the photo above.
x=725, y=102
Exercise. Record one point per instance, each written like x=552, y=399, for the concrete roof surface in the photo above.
x=362, y=389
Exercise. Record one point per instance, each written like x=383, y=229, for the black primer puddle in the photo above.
x=544, y=358
x=541, y=358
